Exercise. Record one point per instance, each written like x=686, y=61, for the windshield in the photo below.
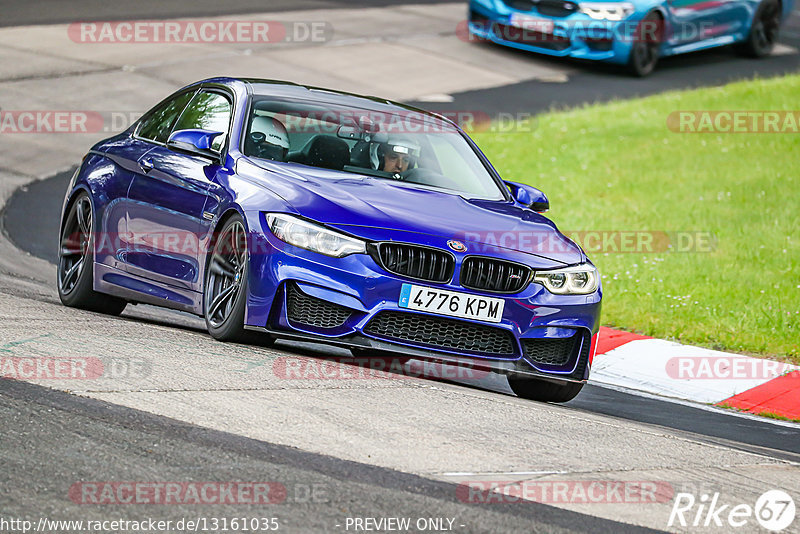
x=406, y=146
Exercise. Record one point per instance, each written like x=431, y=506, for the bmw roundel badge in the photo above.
x=458, y=246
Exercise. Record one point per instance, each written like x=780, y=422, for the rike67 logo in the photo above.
x=774, y=511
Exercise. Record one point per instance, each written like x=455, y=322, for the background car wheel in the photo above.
x=225, y=288
x=764, y=31
x=542, y=390
x=76, y=260
x=647, y=45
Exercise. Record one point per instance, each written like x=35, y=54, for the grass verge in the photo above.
x=768, y=415
x=618, y=167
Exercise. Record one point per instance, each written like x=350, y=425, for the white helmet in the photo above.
x=403, y=145
x=399, y=145
x=268, y=138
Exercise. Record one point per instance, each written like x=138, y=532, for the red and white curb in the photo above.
x=670, y=369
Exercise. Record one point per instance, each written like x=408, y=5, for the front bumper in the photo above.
x=352, y=301
x=575, y=35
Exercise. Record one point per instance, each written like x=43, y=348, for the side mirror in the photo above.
x=529, y=196
x=197, y=142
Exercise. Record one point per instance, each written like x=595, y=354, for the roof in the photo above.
x=281, y=88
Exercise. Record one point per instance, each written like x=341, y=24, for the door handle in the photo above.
x=146, y=164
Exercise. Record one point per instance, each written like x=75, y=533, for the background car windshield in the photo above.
x=358, y=140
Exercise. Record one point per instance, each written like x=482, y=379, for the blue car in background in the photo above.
x=634, y=33
x=278, y=210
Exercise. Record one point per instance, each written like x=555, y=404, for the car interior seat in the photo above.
x=325, y=151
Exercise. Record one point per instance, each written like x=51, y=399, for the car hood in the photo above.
x=361, y=204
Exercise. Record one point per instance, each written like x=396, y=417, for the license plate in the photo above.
x=527, y=22
x=451, y=303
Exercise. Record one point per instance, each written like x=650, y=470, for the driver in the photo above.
x=268, y=139
x=397, y=155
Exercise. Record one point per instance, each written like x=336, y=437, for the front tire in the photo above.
x=646, y=47
x=542, y=390
x=764, y=31
x=76, y=262
x=225, y=288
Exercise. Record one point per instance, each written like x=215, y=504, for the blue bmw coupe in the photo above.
x=634, y=33
x=277, y=210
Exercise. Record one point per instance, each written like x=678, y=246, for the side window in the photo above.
x=207, y=111
x=158, y=124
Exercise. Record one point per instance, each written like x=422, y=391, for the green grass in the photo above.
x=768, y=415
x=779, y=417
x=618, y=167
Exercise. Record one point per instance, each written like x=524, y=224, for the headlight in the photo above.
x=575, y=280
x=310, y=236
x=607, y=10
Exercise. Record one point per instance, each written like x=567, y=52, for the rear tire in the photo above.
x=764, y=31
x=75, y=269
x=542, y=390
x=646, y=47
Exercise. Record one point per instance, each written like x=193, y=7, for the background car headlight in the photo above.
x=607, y=10
x=576, y=280
x=310, y=236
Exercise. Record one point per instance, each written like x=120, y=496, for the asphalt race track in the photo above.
x=185, y=408
x=45, y=197
x=318, y=487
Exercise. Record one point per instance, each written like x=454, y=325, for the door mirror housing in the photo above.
x=197, y=142
x=529, y=196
